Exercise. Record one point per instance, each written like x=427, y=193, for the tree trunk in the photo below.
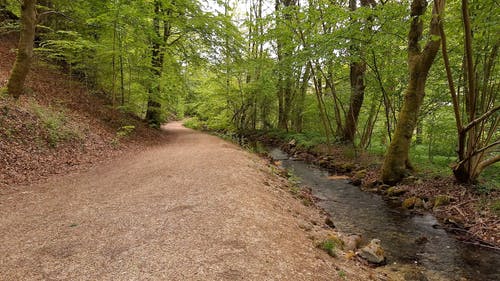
x=154, y=113
x=419, y=133
x=476, y=141
x=298, y=121
x=357, y=75
x=396, y=162
x=370, y=124
x=285, y=79
x=15, y=85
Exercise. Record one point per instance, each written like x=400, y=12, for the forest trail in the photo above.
x=194, y=208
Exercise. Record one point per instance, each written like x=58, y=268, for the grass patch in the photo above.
x=331, y=245
x=342, y=274
x=495, y=206
x=489, y=180
x=122, y=132
x=55, y=124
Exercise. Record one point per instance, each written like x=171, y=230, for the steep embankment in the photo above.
x=58, y=125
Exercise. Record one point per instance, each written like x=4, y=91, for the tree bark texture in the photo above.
x=285, y=75
x=396, y=163
x=154, y=113
x=20, y=70
x=357, y=76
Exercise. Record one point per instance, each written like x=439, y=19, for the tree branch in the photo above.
x=55, y=12
x=480, y=119
x=489, y=162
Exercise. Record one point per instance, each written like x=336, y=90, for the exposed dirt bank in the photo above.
x=58, y=126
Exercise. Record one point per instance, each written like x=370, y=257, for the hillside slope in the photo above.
x=58, y=125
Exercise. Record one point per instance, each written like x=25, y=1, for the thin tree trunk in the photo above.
x=113, y=65
x=285, y=85
x=299, y=111
x=122, y=76
x=370, y=124
x=153, y=113
x=20, y=70
x=474, y=140
x=357, y=79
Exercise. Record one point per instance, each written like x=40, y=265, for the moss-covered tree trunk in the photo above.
x=396, y=162
x=21, y=68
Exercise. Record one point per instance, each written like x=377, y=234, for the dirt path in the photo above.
x=195, y=208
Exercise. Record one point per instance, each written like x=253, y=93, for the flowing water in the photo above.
x=358, y=212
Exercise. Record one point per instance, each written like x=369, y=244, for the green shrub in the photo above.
x=125, y=131
x=193, y=123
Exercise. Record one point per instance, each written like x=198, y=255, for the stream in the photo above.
x=441, y=257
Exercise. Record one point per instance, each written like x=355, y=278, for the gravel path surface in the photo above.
x=194, y=208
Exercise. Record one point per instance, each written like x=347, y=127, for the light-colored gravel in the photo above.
x=194, y=208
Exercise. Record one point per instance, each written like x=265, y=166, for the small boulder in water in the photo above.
x=373, y=252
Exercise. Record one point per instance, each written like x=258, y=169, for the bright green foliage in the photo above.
x=250, y=65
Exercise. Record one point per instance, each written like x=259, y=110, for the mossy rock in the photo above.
x=322, y=162
x=346, y=167
x=360, y=174
x=412, y=202
x=383, y=188
x=357, y=178
x=441, y=200
x=395, y=191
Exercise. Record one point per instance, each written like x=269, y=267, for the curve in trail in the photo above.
x=194, y=208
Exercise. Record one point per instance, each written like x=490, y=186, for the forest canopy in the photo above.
x=413, y=80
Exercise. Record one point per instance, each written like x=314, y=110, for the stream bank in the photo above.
x=417, y=245
x=469, y=212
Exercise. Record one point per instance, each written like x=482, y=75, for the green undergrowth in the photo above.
x=427, y=165
x=55, y=124
x=121, y=133
x=306, y=140
x=193, y=123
